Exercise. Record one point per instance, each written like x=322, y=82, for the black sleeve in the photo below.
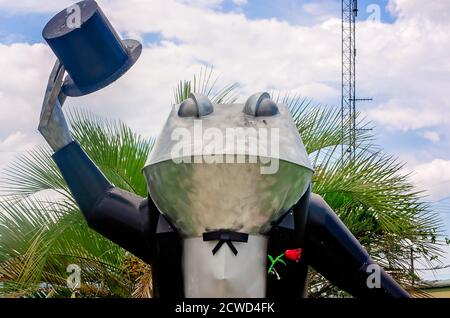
x=332, y=250
x=118, y=215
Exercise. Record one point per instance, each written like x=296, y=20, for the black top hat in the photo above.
x=89, y=48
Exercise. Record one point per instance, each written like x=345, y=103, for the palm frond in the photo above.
x=205, y=85
x=367, y=190
x=144, y=285
x=32, y=172
x=320, y=126
x=39, y=238
x=50, y=240
x=114, y=147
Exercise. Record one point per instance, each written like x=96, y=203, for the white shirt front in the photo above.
x=225, y=275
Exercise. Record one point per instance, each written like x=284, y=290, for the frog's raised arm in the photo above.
x=334, y=252
x=120, y=216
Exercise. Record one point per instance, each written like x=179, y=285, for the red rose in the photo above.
x=293, y=255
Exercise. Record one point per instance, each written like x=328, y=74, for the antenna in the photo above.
x=348, y=99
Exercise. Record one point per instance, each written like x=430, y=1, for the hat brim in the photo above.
x=134, y=49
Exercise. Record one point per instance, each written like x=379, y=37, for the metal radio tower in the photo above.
x=348, y=101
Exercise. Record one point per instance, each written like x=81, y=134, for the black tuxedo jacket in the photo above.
x=135, y=224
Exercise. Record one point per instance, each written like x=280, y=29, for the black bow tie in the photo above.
x=225, y=236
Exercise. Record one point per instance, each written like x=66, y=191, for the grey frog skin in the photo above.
x=153, y=229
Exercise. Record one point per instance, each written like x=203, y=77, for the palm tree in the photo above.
x=40, y=237
x=369, y=193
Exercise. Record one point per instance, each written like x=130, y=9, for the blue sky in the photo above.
x=22, y=26
x=401, y=65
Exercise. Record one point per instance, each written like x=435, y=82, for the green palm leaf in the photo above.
x=39, y=239
x=367, y=189
x=203, y=84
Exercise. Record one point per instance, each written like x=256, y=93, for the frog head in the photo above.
x=235, y=166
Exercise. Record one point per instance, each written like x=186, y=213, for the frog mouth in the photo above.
x=201, y=197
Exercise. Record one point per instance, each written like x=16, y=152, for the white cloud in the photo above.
x=437, y=11
x=434, y=178
x=265, y=54
x=24, y=72
x=202, y=3
x=14, y=140
x=432, y=136
x=13, y=145
x=27, y=6
x=398, y=115
x=405, y=63
x=240, y=2
x=322, y=9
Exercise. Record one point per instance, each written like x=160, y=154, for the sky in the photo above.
x=286, y=45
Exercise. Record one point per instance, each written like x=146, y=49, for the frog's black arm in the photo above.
x=335, y=253
x=118, y=215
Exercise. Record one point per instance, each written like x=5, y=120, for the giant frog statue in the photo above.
x=229, y=212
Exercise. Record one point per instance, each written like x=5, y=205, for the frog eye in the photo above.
x=196, y=105
x=260, y=104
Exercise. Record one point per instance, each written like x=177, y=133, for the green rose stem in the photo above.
x=272, y=269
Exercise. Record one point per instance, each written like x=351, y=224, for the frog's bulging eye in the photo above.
x=260, y=104
x=196, y=105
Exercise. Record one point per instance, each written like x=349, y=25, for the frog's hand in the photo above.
x=52, y=123
x=334, y=252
